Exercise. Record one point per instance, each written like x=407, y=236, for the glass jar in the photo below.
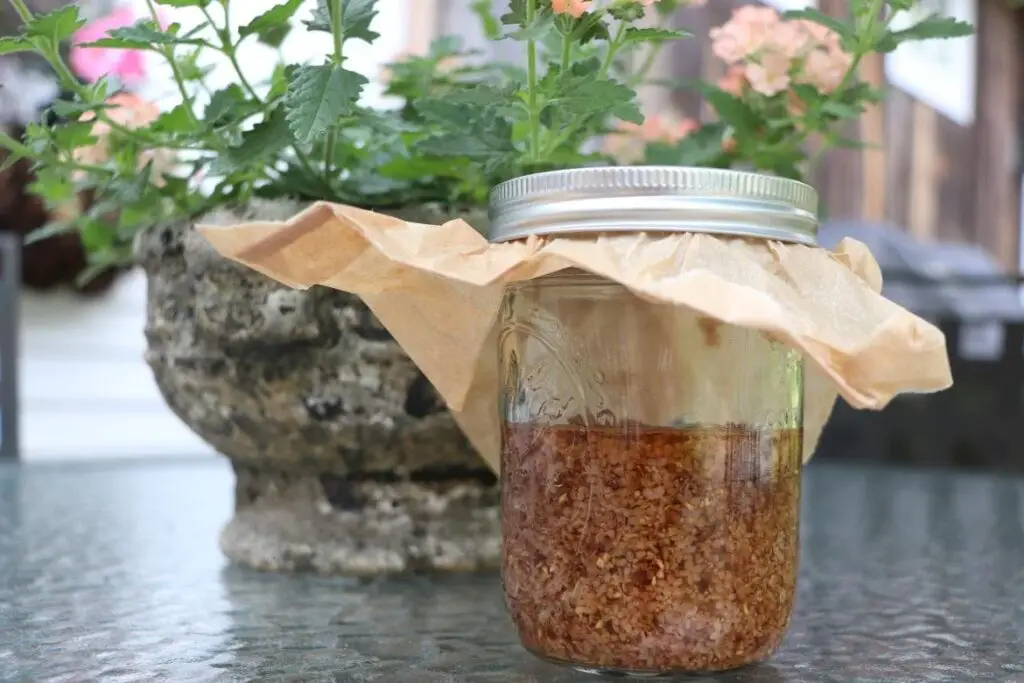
x=650, y=456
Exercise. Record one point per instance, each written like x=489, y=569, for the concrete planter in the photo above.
x=346, y=459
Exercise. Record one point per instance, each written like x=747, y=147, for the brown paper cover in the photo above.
x=438, y=290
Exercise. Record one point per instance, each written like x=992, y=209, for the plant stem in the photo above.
x=566, y=51
x=22, y=9
x=652, y=54
x=866, y=34
x=613, y=48
x=228, y=49
x=338, y=29
x=7, y=142
x=531, y=71
x=338, y=33
x=329, y=145
x=179, y=80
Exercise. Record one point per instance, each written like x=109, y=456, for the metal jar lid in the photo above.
x=654, y=199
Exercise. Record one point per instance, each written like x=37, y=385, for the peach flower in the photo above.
x=734, y=81
x=825, y=69
x=768, y=53
x=574, y=8
x=769, y=75
x=744, y=34
x=820, y=35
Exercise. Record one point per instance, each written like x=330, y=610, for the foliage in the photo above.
x=460, y=125
x=766, y=120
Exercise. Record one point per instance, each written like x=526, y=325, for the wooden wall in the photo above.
x=927, y=174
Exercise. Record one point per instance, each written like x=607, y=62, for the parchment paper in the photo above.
x=438, y=290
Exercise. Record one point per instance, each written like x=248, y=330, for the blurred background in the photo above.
x=937, y=197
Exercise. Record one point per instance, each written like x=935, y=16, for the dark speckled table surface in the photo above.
x=112, y=573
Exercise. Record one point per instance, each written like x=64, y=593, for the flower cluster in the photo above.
x=769, y=54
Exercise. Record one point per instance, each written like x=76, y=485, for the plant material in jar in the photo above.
x=650, y=550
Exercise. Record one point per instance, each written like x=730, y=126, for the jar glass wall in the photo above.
x=650, y=480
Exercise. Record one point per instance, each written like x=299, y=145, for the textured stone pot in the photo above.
x=346, y=459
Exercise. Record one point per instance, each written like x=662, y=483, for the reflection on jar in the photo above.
x=650, y=481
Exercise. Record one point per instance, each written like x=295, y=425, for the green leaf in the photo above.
x=484, y=11
x=280, y=79
x=70, y=110
x=580, y=92
x=11, y=45
x=933, y=27
x=175, y=121
x=227, y=105
x=56, y=26
x=266, y=139
x=842, y=110
x=449, y=112
x=15, y=150
x=516, y=15
x=590, y=27
x=470, y=131
x=731, y=109
x=95, y=235
x=54, y=185
x=667, y=7
x=144, y=35
x=320, y=95
x=73, y=134
x=51, y=229
x=420, y=167
x=900, y=5
x=543, y=25
x=627, y=11
x=271, y=27
x=190, y=68
x=490, y=98
x=467, y=145
x=703, y=147
x=652, y=35
x=851, y=143
x=356, y=17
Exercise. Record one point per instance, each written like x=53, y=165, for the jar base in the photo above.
x=635, y=674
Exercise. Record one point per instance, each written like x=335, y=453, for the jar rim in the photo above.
x=642, y=199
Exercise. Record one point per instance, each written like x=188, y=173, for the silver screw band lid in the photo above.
x=654, y=199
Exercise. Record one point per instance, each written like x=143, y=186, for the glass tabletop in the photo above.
x=112, y=572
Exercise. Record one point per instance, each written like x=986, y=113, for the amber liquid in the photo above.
x=650, y=549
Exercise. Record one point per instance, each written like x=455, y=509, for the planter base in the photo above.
x=333, y=525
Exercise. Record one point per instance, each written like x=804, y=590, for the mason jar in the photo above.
x=651, y=457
